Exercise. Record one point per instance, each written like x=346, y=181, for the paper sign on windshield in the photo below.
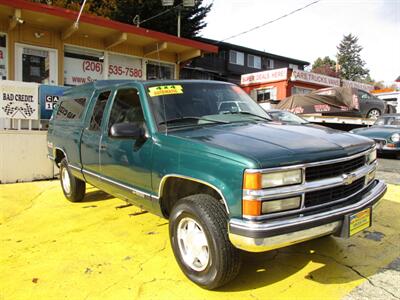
x=165, y=90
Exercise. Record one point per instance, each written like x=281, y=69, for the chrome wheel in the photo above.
x=374, y=114
x=193, y=244
x=66, y=180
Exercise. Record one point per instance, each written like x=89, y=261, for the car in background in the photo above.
x=370, y=106
x=232, y=107
x=385, y=132
x=285, y=117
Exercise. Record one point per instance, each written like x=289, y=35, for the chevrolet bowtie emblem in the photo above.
x=349, y=178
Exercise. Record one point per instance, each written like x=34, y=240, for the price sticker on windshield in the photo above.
x=165, y=90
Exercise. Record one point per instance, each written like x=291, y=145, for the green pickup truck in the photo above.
x=227, y=180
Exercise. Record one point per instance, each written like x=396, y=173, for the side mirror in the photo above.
x=127, y=130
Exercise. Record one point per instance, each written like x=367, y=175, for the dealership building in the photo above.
x=43, y=49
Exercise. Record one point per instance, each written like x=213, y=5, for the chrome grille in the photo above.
x=333, y=194
x=336, y=169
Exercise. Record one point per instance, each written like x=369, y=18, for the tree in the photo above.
x=192, y=19
x=104, y=8
x=325, y=66
x=352, y=67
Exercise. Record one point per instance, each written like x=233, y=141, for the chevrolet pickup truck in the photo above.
x=227, y=181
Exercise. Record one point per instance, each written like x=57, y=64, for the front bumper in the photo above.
x=263, y=236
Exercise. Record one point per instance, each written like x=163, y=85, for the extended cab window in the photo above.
x=98, y=111
x=126, y=108
x=71, y=109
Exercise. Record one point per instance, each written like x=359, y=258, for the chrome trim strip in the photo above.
x=287, y=191
x=303, y=209
x=375, y=193
x=75, y=167
x=165, y=177
x=65, y=154
x=279, y=241
x=133, y=190
x=313, y=164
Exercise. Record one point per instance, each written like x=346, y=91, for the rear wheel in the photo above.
x=73, y=188
x=199, y=239
x=374, y=114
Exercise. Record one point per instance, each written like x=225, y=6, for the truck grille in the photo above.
x=333, y=194
x=336, y=169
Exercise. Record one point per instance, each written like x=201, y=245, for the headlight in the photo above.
x=281, y=178
x=395, y=137
x=371, y=157
x=257, y=181
x=280, y=205
x=371, y=176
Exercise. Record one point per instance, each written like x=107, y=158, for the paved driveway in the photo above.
x=99, y=249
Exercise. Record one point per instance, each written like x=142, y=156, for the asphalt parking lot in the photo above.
x=101, y=249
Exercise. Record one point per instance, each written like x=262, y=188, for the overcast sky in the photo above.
x=314, y=31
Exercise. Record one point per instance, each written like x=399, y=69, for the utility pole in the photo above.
x=185, y=3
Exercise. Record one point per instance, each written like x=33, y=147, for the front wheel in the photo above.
x=199, y=238
x=73, y=188
x=374, y=114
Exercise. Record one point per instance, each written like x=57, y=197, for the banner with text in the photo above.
x=79, y=71
x=298, y=75
x=357, y=85
x=19, y=100
x=264, y=76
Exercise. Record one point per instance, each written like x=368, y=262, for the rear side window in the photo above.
x=71, y=109
x=98, y=111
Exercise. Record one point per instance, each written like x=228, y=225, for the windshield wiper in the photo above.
x=183, y=119
x=248, y=113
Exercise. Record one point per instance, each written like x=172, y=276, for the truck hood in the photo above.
x=377, y=131
x=277, y=145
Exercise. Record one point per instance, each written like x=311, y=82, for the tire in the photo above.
x=202, y=220
x=73, y=188
x=374, y=113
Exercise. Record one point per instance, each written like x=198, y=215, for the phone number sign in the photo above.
x=125, y=67
x=79, y=71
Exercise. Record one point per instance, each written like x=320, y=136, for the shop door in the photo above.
x=36, y=64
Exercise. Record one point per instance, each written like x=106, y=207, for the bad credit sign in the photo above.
x=19, y=100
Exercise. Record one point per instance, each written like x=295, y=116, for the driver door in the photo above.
x=125, y=163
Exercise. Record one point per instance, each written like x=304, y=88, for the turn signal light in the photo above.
x=252, y=181
x=251, y=207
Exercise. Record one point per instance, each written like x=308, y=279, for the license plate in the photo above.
x=359, y=221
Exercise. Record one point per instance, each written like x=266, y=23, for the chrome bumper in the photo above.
x=263, y=236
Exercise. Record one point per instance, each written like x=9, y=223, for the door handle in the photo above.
x=103, y=147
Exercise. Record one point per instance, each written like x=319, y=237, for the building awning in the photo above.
x=111, y=33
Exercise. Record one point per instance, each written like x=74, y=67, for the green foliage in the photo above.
x=104, y=8
x=349, y=59
x=192, y=19
x=325, y=66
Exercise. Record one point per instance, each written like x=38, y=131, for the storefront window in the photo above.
x=157, y=70
x=266, y=94
x=3, y=56
x=82, y=65
x=35, y=66
x=300, y=90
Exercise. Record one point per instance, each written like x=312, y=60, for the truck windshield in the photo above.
x=199, y=103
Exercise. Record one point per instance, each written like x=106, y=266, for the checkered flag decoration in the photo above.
x=26, y=110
